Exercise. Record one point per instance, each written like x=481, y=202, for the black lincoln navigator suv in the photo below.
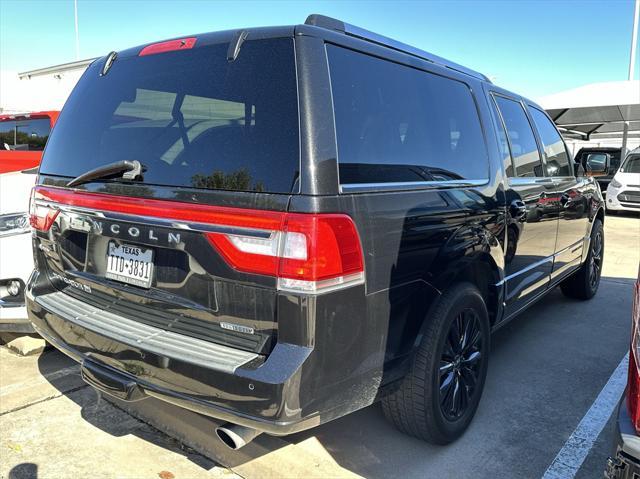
x=278, y=226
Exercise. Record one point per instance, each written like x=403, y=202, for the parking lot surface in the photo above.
x=547, y=368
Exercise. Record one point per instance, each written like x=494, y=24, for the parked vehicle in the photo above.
x=600, y=162
x=625, y=464
x=279, y=226
x=623, y=193
x=22, y=139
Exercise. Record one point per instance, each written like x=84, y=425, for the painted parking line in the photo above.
x=575, y=450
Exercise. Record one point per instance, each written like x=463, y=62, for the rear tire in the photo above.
x=438, y=398
x=583, y=284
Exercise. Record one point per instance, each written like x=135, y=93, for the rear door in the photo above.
x=532, y=211
x=218, y=141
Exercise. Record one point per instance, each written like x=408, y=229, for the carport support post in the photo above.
x=625, y=135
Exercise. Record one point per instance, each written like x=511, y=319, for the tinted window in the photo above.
x=503, y=142
x=524, y=149
x=191, y=117
x=396, y=123
x=632, y=165
x=554, y=148
x=24, y=135
x=7, y=134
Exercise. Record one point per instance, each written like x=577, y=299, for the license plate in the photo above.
x=130, y=264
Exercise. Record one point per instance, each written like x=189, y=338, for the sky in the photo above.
x=532, y=47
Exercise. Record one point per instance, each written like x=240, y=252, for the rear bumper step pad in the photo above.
x=155, y=340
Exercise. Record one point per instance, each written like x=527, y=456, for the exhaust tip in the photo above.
x=234, y=436
x=227, y=437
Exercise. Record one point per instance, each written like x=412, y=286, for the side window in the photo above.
x=399, y=124
x=554, y=147
x=24, y=135
x=34, y=133
x=524, y=149
x=503, y=143
x=7, y=135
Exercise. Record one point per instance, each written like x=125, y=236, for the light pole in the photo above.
x=632, y=65
x=75, y=13
x=634, y=39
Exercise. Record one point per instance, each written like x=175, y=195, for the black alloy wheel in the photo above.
x=460, y=364
x=595, y=259
x=583, y=284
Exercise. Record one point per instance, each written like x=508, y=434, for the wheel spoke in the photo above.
x=473, y=358
x=445, y=386
x=473, y=343
x=470, y=377
x=446, y=394
x=456, y=396
x=466, y=389
x=445, y=367
x=469, y=329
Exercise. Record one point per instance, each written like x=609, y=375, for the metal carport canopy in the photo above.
x=600, y=109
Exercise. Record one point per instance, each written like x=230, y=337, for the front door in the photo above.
x=572, y=196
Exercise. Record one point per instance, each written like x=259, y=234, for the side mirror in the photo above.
x=597, y=163
x=578, y=169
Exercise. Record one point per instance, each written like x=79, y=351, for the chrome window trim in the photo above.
x=530, y=180
x=409, y=185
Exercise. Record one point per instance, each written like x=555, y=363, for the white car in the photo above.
x=16, y=256
x=623, y=193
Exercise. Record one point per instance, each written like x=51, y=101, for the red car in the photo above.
x=22, y=139
x=626, y=462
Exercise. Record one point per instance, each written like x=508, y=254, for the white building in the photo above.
x=39, y=90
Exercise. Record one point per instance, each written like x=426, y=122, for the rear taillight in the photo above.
x=308, y=252
x=633, y=381
x=41, y=217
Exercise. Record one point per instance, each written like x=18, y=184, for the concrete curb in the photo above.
x=24, y=345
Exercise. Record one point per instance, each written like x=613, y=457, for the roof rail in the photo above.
x=357, y=32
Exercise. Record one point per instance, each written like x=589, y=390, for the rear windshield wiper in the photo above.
x=129, y=170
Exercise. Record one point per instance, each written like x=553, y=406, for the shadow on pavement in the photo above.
x=98, y=412
x=26, y=470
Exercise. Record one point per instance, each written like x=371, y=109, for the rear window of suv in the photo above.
x=399, y=124
x=191, y=117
